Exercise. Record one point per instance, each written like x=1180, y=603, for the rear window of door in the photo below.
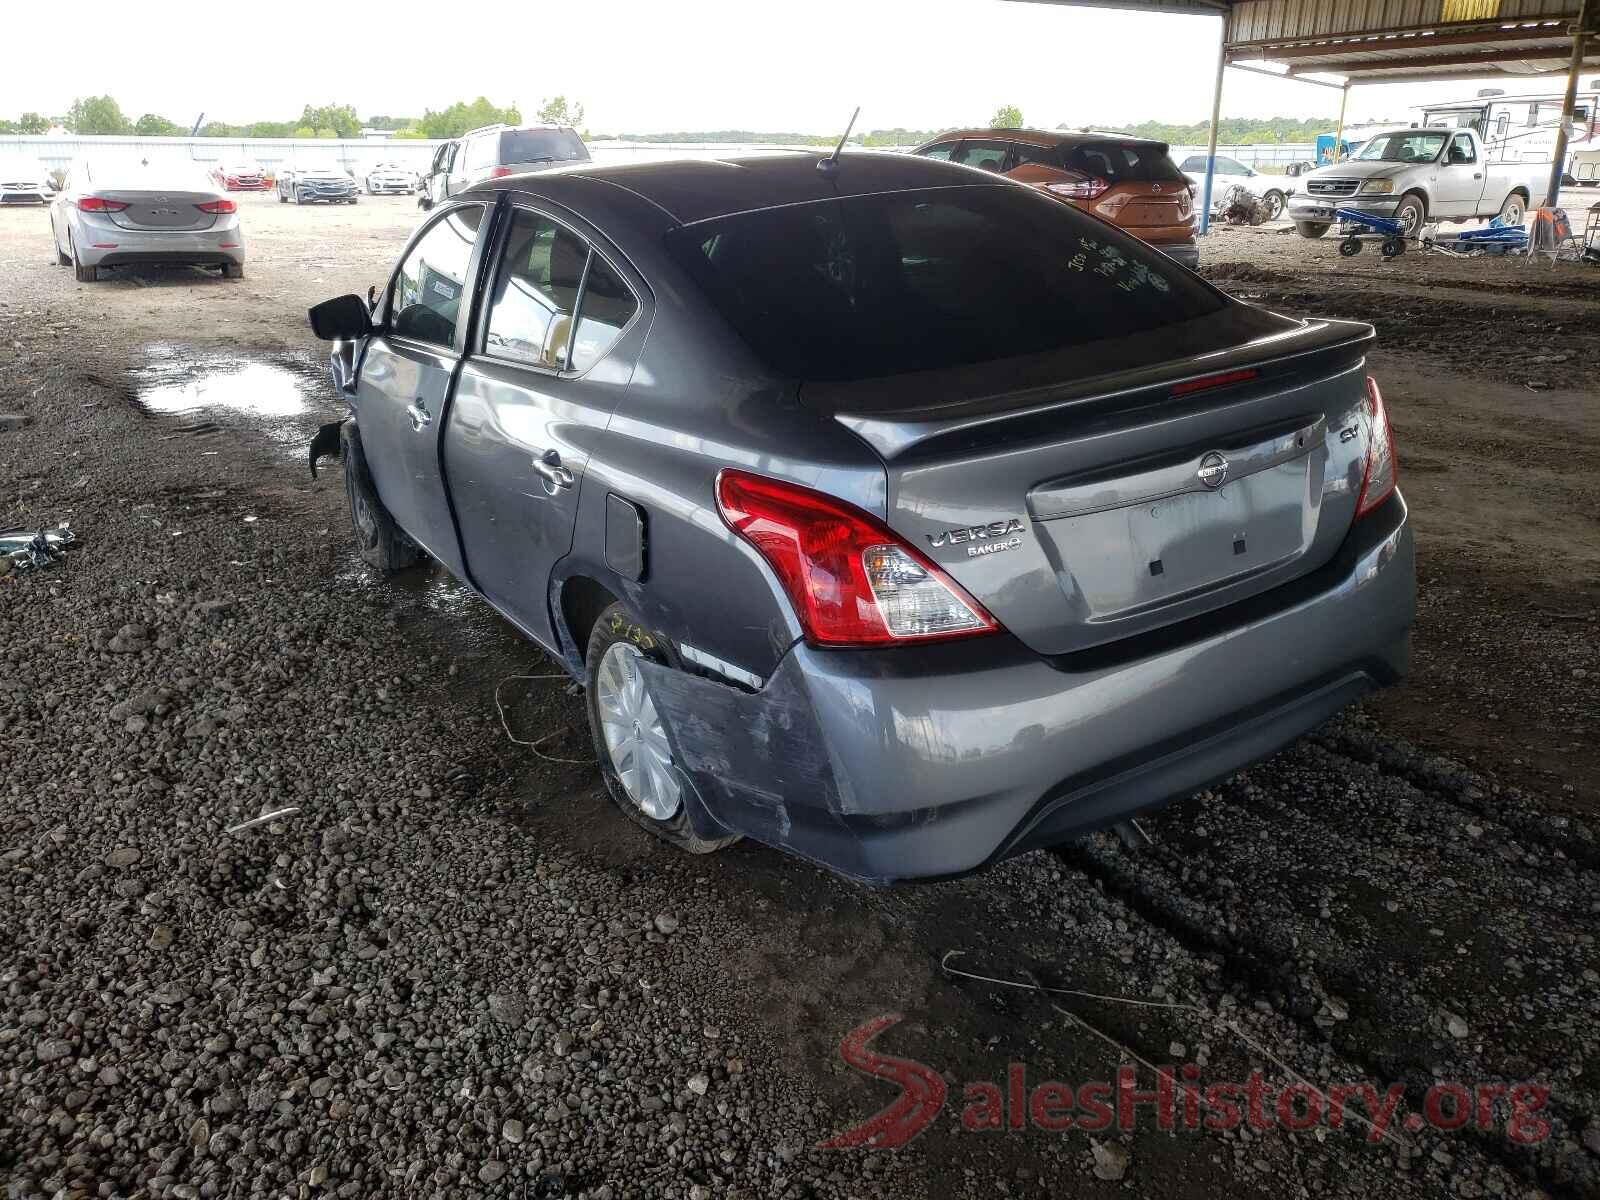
x=986, y=156
x=1046, y=156
x=425, y=298
x=942, y=151
x=547, y=274
x=906, y=281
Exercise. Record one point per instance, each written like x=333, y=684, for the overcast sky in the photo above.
x=649, y=66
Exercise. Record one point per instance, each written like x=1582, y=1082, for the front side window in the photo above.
x=1461, y=150
x=986, y=156
x=536, y=292
x=868, y=286
x=477, y=154
x=427, y=291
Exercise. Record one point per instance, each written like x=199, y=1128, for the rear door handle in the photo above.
x=421, y=418
x=555, y=475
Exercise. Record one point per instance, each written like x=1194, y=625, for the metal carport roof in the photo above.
x=1389, y=41
x=1377, y=41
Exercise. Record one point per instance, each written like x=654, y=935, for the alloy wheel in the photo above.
x=634, y=734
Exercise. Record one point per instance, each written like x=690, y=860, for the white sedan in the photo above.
x=1274, y=190
x=115, y=212
x=390, y=179
x=24, y=181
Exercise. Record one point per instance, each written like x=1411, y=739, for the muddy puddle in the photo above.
x=283, y=397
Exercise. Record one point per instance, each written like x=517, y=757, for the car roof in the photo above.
x=1047, y=137
x=701, y=189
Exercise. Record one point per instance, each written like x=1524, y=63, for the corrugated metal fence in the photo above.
x=360, y=155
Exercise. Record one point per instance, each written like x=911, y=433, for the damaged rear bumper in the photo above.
x=887, y=766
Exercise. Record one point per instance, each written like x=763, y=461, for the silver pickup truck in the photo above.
x=1415, y=175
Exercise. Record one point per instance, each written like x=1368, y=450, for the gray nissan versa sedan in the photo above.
x=891, y=513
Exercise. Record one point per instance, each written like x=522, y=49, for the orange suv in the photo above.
x=1130, y=182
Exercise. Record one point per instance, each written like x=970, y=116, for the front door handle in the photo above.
x=421, y=418
x=555, y=475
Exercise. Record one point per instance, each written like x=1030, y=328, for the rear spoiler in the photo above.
x=943, y=405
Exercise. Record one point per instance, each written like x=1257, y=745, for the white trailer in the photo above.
x=1522, y=129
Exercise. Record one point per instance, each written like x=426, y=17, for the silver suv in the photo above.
x=890, y=513
x=494, y=152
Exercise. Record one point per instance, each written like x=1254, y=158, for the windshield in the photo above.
x=880, y=285
x=542, y=145
x=320, y=168
x=1409, y=146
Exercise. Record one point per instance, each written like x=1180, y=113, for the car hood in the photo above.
x=1359, y=170
x=324, y=176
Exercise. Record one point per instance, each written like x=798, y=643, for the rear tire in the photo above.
x=1274, y=200
x=630, y=733
x=380, y=542
x=83, y=273
x=233, y=270
x=1310, y=229
x=282, y=199
x=1514, y=210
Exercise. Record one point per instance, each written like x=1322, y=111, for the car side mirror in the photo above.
x=342, y=318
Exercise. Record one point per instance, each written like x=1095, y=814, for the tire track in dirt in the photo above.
x=1276, y=958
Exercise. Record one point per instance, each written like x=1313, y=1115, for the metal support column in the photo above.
x=1338, y=138
x=1216, y=118
x=1580, y=38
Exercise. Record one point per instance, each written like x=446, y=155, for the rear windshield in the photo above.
x=1119, y=162
x=906, y=281
x=542, y=145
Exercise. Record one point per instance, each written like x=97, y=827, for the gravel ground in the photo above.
x=455, y=970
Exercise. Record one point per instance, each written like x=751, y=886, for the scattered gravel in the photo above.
x=425, y=964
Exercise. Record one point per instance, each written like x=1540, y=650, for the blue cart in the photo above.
x=1494, y=238
x=1389, y=233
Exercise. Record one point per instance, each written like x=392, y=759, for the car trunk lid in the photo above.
x=1092, y=495
x=175, y=210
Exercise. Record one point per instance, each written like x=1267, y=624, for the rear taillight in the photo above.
x=851, y=579
x=218, y=207
x=1382, y=471
x=499, y=172
x=99, y=204
x=1079, y=189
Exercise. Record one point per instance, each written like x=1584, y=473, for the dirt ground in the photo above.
x=1407, y=897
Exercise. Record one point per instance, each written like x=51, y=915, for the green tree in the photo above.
x=32, y=123
x=1007, y=116
x=305, y=131
x=341, y=118
x=270, y=129
x=327, y=134
x=460, y=117
x=409, y=134
x=221, y=129
x=558, y=112
x=152, y=125
x=97, y=115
